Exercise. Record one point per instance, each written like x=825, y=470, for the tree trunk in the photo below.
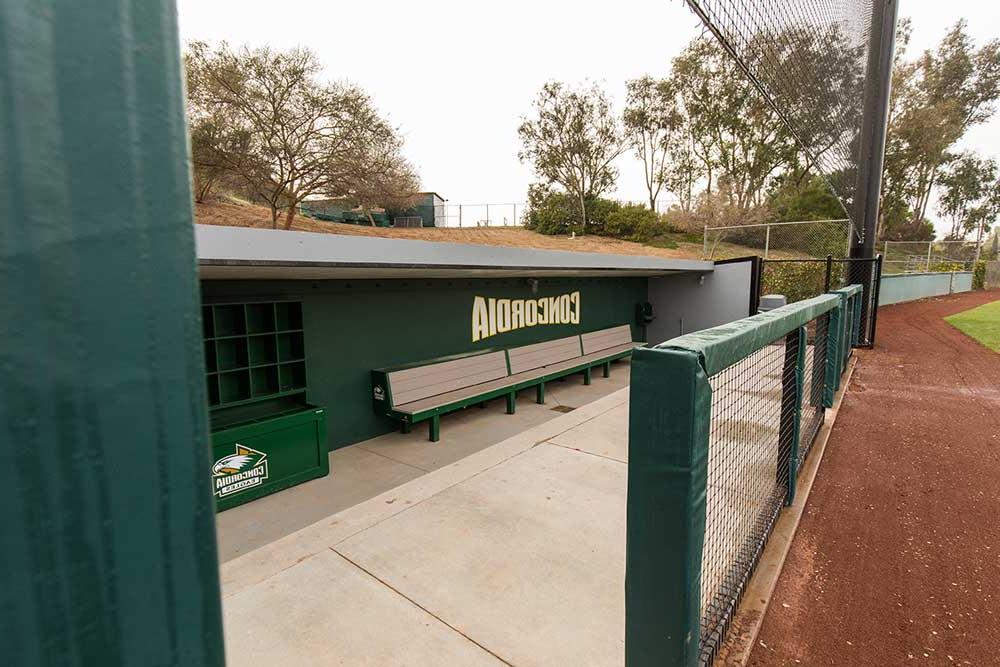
x=274, y=216
x=583, y=212
x=371, y=220
x=290, y=216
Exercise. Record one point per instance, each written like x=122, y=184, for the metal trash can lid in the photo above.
x=772, y=301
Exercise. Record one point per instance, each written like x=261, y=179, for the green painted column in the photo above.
x=670, y=405
x=107, y=538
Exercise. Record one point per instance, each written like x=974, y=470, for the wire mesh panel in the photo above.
x=809, y=59
x=749, y=446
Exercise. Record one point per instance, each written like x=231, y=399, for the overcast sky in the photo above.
x=456, y=77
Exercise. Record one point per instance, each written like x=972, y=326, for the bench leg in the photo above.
x=482, y=405
x=511, y=402
x=586, y=376
x=607, y=369
x=405, y=427
x=540, y=394
x=435, y=428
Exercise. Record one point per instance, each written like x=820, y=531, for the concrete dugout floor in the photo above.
x=369, y=468
x=512, y=555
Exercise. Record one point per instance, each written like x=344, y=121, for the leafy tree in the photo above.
x=970, y=196
x=263, y=116
x=935, y=99
x=798, y=197
x=733, y=131
x=573, y=141
x=652, y=122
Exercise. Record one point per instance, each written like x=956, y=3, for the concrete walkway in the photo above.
x=363, y=471
x=514, y=554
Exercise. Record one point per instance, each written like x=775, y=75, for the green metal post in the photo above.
x=511, y=403
x=834, y=329
x=540, y=393
x=670, y=405
x=405, y=427
x=108, y=534
x=607, y=369
x=793, y=452
x=434, y=429
x=587, y=375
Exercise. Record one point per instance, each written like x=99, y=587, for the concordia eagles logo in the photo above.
x=240, y=471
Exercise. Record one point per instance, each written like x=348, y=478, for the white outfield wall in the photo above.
x=901, y=287
x=683, y=303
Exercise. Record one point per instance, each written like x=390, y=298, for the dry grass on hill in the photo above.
x=237, y=214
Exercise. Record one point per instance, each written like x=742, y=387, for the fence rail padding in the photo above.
x=725, y=345
x=670, y=422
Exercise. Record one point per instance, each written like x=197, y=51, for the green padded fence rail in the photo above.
x=108, y=534
x=847, y=336
x=725, y=345
x=669, y=429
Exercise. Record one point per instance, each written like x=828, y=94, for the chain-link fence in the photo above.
x=809, y=59
x=806, y=238
x=931, y=256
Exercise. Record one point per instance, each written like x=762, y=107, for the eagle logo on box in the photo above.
x=239, y=471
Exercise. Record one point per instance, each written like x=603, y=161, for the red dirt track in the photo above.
x=897, y=558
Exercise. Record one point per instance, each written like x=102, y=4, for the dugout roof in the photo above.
x=246, y=253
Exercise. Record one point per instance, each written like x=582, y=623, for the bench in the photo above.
x=426, y=390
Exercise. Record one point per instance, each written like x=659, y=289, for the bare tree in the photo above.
x=286, y=135
x=573, y=141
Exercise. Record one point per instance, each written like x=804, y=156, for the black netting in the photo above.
x=809, y=60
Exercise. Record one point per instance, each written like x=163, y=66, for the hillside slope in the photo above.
x=237, y=214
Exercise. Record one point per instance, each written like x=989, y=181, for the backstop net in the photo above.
x=721, y=423
x=809, y=59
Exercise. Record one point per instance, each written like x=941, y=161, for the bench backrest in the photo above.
x=530, y=357
x=595, y=341
x=413, y=384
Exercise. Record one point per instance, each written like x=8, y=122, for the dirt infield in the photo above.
x=896, y=559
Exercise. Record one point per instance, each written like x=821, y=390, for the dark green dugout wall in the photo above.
x=352, y=327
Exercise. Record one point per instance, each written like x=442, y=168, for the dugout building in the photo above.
x=317, y=341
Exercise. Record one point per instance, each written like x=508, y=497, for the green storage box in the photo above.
x=261, y=455
x=265, y=436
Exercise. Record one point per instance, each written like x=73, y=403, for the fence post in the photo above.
x=791, y=404
x=927, y=268
x=704, y=243
x=669, y=411
x=767, y=240
x=873, y=308
x=829, y=274
x=459, y=215
x=834, y=331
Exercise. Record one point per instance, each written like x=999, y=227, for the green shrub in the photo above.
x=979, y=275
x=633, y=223
x=552, y=212
x=799, y=280
x=946, y=267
